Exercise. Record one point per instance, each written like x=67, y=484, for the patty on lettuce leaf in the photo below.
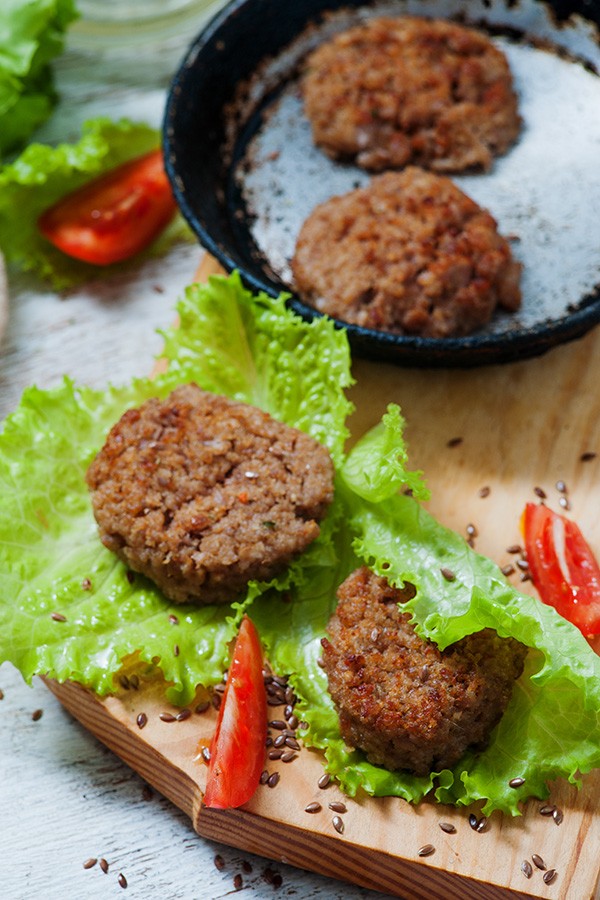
x=254, y=350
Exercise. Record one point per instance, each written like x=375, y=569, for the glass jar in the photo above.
x=113, y=25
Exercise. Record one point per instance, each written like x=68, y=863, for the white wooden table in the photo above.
x=64, y=798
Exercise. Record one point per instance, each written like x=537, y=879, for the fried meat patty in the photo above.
x=401, y=700
x=202, y=494
x=410, y=253
x=396, y=90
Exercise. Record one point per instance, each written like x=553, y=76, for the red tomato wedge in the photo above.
x=563, y=567
x=114, y=216
x=237, y=750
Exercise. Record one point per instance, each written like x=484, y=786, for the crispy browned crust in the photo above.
x=393, y=91
x=410, y=253
x=202, y=494
x=401, y=700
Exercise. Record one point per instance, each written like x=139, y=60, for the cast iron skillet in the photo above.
x=221, y=102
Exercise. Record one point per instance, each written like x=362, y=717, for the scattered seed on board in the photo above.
x=90, y=863
x=219, y=862
x=547, y=810
x=124, y=682
x=247, y=867
x=426, y=850
x=557, y=815
x=273, y=779
x=526, y=868
x=183, y=714
x=561, y=487
x=288, y=756
x=275, y=753
x=103, y=865
x=587, y=456
x=454, y=442
x=472, y=530
x=338, y=824
x=338, y=807
x=167, y=717
x=448, y=827
x=481, y=825
x=264, y=776
x=37, y=714
x=538, y=861
x=485, y=491
x=514, y=548
x=238, y=882
x=549, y=876
x=508, y=569
x=122, y=880
x=324, y=781
x=141, y=720
x=313, y=807
x=540, y=492
x=202, y=706
x=563, y=502
x=516, y=782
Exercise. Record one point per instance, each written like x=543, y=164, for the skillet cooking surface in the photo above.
x=246, y=173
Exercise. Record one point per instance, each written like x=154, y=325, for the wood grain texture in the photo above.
x=520, y=427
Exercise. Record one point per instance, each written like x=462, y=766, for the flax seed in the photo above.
x=508, y=569
x=485, y=491
x=141, y=720
x=338, y=807
x=219, y=862
x=454, y=442
x=588, y=456
x=313, y=807
x=90, y=863
x=183, y=715
x=549, y=876
x=264, y=776
x=103, y=865
x=122, y=880
x=557, y=815
x=324, y=780
x=37, y=714
x=238, y=882
x=448, y=827
x=273, y=779
x=288, y=755
x=547, y=810
x=167, y=717
x=540, y=492
x=58, y=617
x=338, y=824
x=526, y=868
x=448, y=574
x=426, y=850
x=516, y=782
x=538, y=861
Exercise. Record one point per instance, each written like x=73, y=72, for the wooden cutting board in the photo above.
x=488, y=440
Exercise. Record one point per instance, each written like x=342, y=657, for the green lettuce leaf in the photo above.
x=32, y=34
x=51, y=561
x=42, y=174
x=257, y=351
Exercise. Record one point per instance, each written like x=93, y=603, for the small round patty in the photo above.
x=397, y=90
x=202, y=494
x=401, y=700
x=410, y=254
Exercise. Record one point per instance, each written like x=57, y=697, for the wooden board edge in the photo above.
x=140, y=755
x=371, y=869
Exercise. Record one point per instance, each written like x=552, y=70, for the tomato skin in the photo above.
x=563, y=567
x=238, y=747
x=113, y=217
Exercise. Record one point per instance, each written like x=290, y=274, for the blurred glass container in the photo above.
x=119, y=25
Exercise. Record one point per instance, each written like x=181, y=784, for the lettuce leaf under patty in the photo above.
x=32, y=34
x=257, y=351
x=43, y=174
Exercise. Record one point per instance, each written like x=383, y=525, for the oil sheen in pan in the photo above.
x=544, y=193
